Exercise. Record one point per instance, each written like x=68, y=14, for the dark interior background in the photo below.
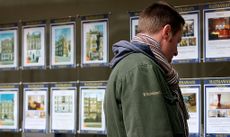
x=12, y=11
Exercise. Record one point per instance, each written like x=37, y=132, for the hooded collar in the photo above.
x=123, y=48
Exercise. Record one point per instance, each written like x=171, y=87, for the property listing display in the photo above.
x=217, y=107
x=95, y=42
x=133, y=26
x=9, y=107
x=62, y=44
x=33, y=47
x=63, y=107
x=191, y=90
x=35, y=108
x=189, y=46
x=92, y=119
x=8, y=48
x=217, y=32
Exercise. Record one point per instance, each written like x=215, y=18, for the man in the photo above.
x=143, y=98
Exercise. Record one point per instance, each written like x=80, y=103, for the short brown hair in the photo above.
x=156, y=16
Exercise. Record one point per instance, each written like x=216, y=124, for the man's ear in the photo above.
x=167, y=32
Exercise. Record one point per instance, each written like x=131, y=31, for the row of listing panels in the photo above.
x=95, y=39
x=62, y=44
x=53, y=107
x=61, y=115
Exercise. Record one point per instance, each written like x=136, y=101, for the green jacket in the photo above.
x=138, y=101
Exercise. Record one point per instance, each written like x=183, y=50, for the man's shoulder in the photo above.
x=132, y=62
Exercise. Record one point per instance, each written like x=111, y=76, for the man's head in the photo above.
x=165, y=24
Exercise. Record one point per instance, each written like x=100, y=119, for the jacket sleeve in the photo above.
x=143, y=106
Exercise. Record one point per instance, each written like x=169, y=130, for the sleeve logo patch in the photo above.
x=152, y=93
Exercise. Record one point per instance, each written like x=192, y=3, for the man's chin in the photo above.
x=170, y=61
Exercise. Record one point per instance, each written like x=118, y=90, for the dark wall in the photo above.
x=29, y=10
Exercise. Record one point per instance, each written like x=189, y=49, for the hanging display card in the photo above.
x=191, y=90
x=94, y=42
x=133, y=26
x=217, y=32
x=9, y=107
x=92, y=119
x=35, y=108
x=189, y=47
x=8, y=46
x=63, y=107
x=63, y=43
x=33, y=44
x=217, y=107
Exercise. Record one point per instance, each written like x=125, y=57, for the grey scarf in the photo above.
x=171, y=74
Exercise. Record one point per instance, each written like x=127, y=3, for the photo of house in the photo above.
x=7, y=109
x=7, y=48
x=63, y=104
x=93, y=109
x=33, y=47
x=62, y=44
x=95, y=42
